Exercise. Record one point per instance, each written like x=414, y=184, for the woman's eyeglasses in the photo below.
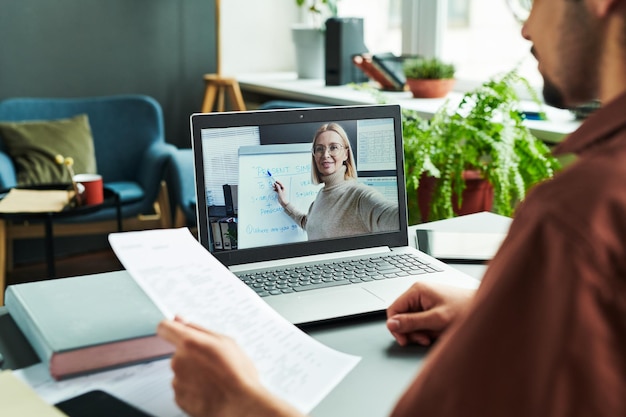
x=333, y=149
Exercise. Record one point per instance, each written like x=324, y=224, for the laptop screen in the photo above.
x=282, y=183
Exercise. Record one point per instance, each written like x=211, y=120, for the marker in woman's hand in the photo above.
x=275, y=182
x=269, y=174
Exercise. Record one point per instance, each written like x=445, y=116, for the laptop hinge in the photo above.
x=310, y=258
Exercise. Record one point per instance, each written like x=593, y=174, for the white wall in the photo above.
x=256, y=36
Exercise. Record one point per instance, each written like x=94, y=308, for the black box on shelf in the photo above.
x=344, y=39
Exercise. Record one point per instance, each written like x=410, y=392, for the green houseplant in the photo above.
x=484, y=133
x=319, y=9
x=429, y=77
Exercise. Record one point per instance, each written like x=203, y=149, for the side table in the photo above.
x=111, y=198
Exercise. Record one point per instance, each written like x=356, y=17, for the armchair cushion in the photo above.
x=33, y=146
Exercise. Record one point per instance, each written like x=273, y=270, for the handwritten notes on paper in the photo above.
x=184, y=279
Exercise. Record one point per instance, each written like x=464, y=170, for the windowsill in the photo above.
x=287, y=86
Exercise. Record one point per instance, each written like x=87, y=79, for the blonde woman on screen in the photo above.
x=343, y=206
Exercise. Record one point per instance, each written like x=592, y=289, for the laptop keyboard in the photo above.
x=312, y=276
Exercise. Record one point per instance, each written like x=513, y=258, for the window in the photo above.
x=381, y=21
x=481, y=37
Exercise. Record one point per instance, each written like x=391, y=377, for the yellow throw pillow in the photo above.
x=33, y=146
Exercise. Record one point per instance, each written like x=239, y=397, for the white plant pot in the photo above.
x=309, y=48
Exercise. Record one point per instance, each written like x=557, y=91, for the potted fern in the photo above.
x=485, y=136
x=429, y=77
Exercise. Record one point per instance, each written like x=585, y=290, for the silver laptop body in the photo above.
x=238, y=156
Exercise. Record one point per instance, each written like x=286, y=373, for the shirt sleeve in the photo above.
x=538, y=340
x=297, y=216
x=377, y=212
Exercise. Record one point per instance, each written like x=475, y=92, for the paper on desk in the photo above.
x=18, y=399
x=35, y=201
x=183, y=278
x=147, y=386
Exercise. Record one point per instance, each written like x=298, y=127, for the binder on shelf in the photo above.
x=230, y=199
x=228, y=228
x=364, y=63
x=393, y=66
x=390, y=73
x=216, y=233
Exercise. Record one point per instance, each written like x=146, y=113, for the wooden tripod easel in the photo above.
x=218, y=87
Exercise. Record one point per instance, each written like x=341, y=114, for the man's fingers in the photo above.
x=430, y=320
x=194, y=326
x=174, y=331
x=410, y=300
x=421, y=338
x=170, y=331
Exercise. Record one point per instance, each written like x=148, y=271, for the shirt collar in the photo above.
x=600, y=125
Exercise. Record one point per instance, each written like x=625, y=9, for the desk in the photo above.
x=370, y=389
x=267, y=86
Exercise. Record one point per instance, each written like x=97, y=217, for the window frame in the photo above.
x=424, y=25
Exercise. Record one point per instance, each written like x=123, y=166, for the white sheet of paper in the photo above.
x=147, y=386
x=183, y=278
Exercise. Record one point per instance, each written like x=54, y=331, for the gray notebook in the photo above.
x=90, y=323
x=268, y=250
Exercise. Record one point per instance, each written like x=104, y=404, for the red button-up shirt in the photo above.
x=546, y=333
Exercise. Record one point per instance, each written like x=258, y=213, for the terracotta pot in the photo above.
x=477, y=196
x=423, y=88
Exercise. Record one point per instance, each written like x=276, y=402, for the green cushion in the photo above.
x=33, y=146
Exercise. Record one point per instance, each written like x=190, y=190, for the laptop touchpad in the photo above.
x=299, y=308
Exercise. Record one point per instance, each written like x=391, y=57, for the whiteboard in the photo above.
x=261, y=219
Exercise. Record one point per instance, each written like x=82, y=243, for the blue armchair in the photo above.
x=180, y=179
x=131, y=155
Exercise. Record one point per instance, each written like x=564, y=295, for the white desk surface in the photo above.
x=287, y=86
x=386, y=369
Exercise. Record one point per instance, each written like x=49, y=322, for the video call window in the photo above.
x=242, y=165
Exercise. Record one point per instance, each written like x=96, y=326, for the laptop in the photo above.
x=238, y=157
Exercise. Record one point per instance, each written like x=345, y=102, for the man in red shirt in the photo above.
x=545, y=333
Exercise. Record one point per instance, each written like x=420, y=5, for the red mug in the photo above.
x=90, y=187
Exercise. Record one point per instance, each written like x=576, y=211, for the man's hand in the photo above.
x=424, y=311
x=214, y=377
